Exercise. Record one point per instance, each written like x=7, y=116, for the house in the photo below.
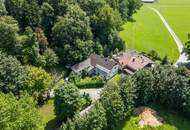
x=148, y=1
x=132, y=61
x=97, y=65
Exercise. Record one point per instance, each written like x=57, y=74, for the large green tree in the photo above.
x=37, y=81
x=67, y=101
x=18, y=114
x=72, y=37
x=27, y=12
x=113, y=104
x=12, y=75
x=8, y=34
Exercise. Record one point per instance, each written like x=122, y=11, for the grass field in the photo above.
x=48, y=115
x=149, y=33
x=177, y=14
x=172, y=121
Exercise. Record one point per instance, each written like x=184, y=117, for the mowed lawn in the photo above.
x=172, y=121
x=149, y=33
x=177, y=14
x=48, y=115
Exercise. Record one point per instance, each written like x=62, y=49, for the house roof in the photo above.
x=93, y=61
x=101, y=61
x=133, y=60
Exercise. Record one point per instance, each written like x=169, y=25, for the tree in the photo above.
x=27, y=12
x=165, y=61
x=37, y=80
x=50, y=58
x=41, y=39
x=113, y=104
x=95, y=119
x=154, y=55
x=67, y=101
x=8, y=33
x=2, y=8
x=128, y=93
x=133, y=6
x=145, y=82
x=48, y=19
x=18, y=114
x=72, y=36
x=121, y=6
x=12, y=75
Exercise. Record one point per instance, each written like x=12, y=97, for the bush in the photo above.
x=90, y=82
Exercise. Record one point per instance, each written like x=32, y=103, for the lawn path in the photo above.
x=182, y=58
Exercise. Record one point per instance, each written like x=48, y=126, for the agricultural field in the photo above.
x=176, y=12
x=172, y=121
x=147, y=32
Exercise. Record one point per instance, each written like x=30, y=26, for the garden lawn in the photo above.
x=177, y=14
x=149, y=33
x=48, y=115
x=172, y=121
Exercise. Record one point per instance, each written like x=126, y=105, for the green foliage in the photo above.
x=95, y=119
x=113, y=104
x=154, y=55
x=163, y=84
x=2, y=8
x=48, y=19
x=27, y=12
x=72, y=36
x=12, y=75
x=50, y=58
x=18, y=114
x=128, y=94
x=133, y=6
x=37, y=81
x=90, y=82
x=8, y=33
x=67, y=101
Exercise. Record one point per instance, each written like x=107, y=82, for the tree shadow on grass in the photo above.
x=53, y=124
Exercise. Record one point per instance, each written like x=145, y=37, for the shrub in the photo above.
x=88, y=82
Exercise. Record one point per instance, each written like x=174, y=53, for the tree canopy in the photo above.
x=18, y=114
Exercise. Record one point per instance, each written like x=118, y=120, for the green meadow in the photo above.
x=177, y=14
x=147, y=32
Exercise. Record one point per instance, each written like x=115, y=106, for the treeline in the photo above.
x=37, y=32
x=164, y=85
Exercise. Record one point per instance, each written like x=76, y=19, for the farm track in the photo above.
x=182, y=58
